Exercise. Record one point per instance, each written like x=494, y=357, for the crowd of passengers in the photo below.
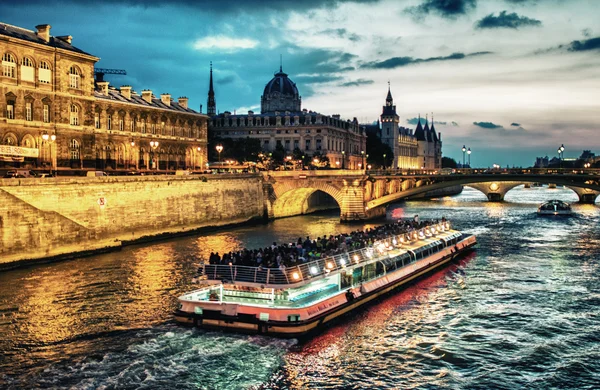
x=286, y=255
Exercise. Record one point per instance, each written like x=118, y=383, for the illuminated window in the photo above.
x=46, y=113
x=9, y=66
x=74, y=77
x=45, y=74
x=74, y=149
x=97, y=120
x=28, y=111
x=109, y=122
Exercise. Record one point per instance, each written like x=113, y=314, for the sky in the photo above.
x=510, y=79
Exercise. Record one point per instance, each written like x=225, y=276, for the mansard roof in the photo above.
x=116, y=96
x=30, y=36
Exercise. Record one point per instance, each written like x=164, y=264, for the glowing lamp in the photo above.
x=330, y=265
x=395, y=242
x=342, y=262
x=356, y=258
x=295, y=276
x=314, y=270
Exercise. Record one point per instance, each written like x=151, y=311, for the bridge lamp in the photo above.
x=342, y=262
x=219, y=150
x=356, y=258
x=469, y=153
x=330, y=265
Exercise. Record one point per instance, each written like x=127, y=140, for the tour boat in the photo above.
x=555, y=207
x=298, y=300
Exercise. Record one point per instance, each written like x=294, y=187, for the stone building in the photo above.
x=283, y=121
x=53, y=115
x=419, y=150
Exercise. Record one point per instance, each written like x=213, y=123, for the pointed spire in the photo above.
x=211, y=105
x=281, y=63
x=419, y=133
x=433, y=136
x=389, y=101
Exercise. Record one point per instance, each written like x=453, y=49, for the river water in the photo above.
x=522, y=311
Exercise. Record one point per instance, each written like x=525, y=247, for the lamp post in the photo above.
x=384, y=164
x=288, y=159
x=362, y=152
x=49, y=140
x=199, y=160
x=154, y=145
x=464, y=149
x=469, y=153
x=132, y=143
x=343, y=158
x=219, y=150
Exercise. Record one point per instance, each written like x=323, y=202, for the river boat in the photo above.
x=299, y=300
x=555, y=207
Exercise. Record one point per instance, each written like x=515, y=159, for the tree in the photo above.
x=448, y=162
x=376, y=149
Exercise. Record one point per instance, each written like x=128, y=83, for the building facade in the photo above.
x=283, y=121
x=54, y=115
x=419, y=150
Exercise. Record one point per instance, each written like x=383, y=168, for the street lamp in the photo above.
x=384, y=156
x=337, y=164
x=154, y=145
x=343, y=158
x=132, y=143
x=469, y=153
x=49, y=139
x=219, y=150
x=362, y=152
x=464, y=149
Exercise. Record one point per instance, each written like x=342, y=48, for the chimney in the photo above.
x=66, y=38
x=183, y=101
x=147, y=95
x=43, y=31
x=166, y=99
x=440, y=136
x=103, y=85
x=126, y=91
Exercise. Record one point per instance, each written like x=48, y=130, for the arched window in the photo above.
x=44, y=73
x=143, y=125
x=74, y=115
x=109, y=122
x=9, y=66
x=74, y=77
x=74, y=149
x=27, y=70
x=10, y=140
x=46, y=115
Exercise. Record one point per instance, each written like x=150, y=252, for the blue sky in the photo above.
x=512, y=79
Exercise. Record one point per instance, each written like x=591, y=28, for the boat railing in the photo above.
x=322, y=266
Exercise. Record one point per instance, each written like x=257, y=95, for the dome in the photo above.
x=280, y=94
x=281, y=84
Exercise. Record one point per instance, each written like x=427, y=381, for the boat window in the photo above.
x=294, y=318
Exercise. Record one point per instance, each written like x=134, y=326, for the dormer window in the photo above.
x=74, y=77
x=9, y=66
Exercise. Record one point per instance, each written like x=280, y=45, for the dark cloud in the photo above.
x=396, y=62
x=225, y=80
x=341, y=33
x=444, y=8
x=316, y=79
x=221, y=6
x=506, y=20
x=585, y=45
x=454, y=123
x=515, y=124
x=357, y=83
x=586, y=32
x=488, y=125
x=414, y=121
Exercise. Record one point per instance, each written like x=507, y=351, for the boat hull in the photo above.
x=340, y=304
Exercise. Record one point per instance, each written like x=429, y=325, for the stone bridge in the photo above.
x=361, y=195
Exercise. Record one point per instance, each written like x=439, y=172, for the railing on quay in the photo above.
x=319, y=267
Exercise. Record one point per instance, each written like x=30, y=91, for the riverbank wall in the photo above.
x=66, y=217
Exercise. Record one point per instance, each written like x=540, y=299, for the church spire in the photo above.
x=211, y=105
x=389, y=101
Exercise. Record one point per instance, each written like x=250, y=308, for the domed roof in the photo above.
x=282, y=84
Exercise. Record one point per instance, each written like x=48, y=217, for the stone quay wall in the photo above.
x=53, y=218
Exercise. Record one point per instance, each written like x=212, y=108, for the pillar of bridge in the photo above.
x=495, y=191
x=586, y=195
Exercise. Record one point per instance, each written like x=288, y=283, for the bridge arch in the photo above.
x=297, y=197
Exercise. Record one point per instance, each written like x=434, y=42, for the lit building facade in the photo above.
x=283, y=121
x=53, y=115
x=419, y=150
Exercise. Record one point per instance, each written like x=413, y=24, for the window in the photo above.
x=154, y=128
x=143, y=126
x=46, y=113
x=97, y=120
x=74, y=115
x=109, y=122
x=74, y=77
x=45, y=74
x=121, y=124
x=307, y=145
x=287, y=144
x=27, y=70
x=10, y=109
x=266, y=142
x=133, y=125
x=74, y=149
x=9, y=66
x=318, y=144
x=296, y=143
x=28, y=111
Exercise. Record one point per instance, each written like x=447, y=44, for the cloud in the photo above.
x=488, y=125
x=341, y=33
x=224, y=43
x=506, y=20
x=396, y=62
x=414, y=121
x=316, y=78
x=586, y=32
x=225, y=80
x=515, y=124
x=585, y=45
x=455, y=123
x=445, y=8
x=357, y=83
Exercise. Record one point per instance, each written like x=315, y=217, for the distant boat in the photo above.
x=551, y=185
x=555, y=207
